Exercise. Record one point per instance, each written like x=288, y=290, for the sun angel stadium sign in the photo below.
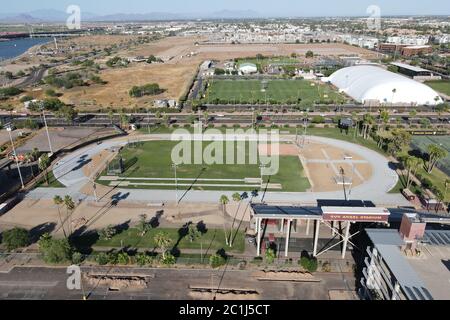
x=355, y=214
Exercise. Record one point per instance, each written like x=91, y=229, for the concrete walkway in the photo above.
x=69, y=171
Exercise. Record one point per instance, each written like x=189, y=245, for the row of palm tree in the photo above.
x=238, y=198
x=69, y=205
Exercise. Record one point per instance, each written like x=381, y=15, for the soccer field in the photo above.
x=270, y=91
x=421, y=143
x=148, y=166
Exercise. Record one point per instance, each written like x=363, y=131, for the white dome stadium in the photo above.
x=371, y=83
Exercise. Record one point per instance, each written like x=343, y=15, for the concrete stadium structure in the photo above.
x=369, y=83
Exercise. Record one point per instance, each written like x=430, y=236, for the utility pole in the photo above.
x=342, y=171
x=46, y=129
x=9, y=129
x=174, y=166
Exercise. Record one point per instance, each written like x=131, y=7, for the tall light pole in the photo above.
x=46, y=129
x=174, y=166
x=9, y=129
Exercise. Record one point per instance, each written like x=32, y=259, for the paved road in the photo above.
x=31, y=283
x=69, y=172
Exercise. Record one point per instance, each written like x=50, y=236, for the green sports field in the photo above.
x=442, y=86
x=148, y=166
x=270, y=91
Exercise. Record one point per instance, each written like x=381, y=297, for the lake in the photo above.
x=16, y=47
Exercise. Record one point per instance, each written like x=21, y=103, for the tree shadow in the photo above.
x=38, y=231
x=122, y=227
x=193, y=184
x=118, y=197
x=154, y=222
x=83, y=240
x=201, y=227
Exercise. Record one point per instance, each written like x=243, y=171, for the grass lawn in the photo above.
x=211, y=241
x=442, y=86
x=52, y=182
x=262, y=63
x=274, y=91
x=153, y=160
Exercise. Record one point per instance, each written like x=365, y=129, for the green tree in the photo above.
x=162, y=241
x=224, y=201
x=216, y=261
x=70, y=206
x=309, y=54
x=107, y=233
x=270, y=256
x=435, y=154
x=168, y=259
x=58, y=201
x=236, y=198
x=44, y=163
x=15, y=238
x=412, y=164
x=193, y=233
x=54, y=250
x=143, y=225
x=143, y=259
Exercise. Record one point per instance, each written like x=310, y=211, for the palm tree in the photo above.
x=57, y=200
x=412, y=165
x=224, y=201
x=384, y=116
x=435, y=153
x=44, y=163
x=394, y=91
x=162, y=240
x=70, y=206
x=236, y=198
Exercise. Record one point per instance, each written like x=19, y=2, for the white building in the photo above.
x=369, y=83
x=248, y=68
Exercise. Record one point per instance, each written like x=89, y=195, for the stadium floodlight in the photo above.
x=9, y=129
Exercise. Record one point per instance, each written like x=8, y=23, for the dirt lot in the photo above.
x=180, y=66
x=60, y=138
x=322, y=169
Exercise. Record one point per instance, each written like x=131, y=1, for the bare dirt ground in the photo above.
x=60, y=138
x=323, y=173
x=182, y=57
x=32, y=213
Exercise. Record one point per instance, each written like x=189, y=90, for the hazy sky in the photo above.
x=267, y=7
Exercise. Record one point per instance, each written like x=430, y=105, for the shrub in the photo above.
x=15, y=238
x=26, y=98
x=270, y=256
x=309, y=264
x=9, y=92
x=123, y=258
x=216, y=261
x=143, y=259
x=107, y=233
x=168, y=259
x=77, y=258
x=102, y=258
x=54, y=250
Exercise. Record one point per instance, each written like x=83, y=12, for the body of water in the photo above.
x=15, y=47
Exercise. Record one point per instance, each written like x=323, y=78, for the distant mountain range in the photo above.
x=41, y=16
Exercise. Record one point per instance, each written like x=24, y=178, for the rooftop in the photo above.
x=388, y=242
x=409, y=67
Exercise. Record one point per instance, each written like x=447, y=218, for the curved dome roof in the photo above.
x=368, y=82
